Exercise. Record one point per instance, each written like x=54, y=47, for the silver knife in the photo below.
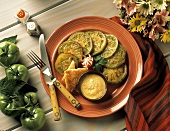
x=54, y=101
x=63, y=90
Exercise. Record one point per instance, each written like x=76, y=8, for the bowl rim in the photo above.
x=78, y=86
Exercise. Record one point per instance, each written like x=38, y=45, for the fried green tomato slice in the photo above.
x=63, y=61
x=98, y=40
x=84, y=40
x=117, y=59
x=116, y=75
x=71, y=47
x=111, y=46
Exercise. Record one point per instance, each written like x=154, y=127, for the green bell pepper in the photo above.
x=11, y=105
x=34, y=119
x=31, y=98
x=17, y=71
x=9, y=53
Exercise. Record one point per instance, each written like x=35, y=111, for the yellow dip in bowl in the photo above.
x=92, y=85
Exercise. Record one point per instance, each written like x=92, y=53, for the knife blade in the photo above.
x=54, y=101
x=43, y=51
x=62, y=89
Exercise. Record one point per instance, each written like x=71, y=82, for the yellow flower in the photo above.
x=165, y=37
x=137, y=24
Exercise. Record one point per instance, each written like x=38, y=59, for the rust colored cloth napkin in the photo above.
x=148, y=107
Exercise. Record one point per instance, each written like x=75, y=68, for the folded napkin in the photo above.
x=148, y=106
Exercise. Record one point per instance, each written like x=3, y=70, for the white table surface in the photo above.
x=50, y=14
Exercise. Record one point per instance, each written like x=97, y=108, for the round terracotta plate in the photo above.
x=118, y=95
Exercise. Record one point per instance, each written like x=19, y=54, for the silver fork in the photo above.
x=45, y=70
x=40, y=64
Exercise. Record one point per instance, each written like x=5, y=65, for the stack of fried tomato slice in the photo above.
x=115, y=69
x=95, y=43
x=84, y=40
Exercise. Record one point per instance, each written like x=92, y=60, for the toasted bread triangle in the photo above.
x=72, y=76
x=72, y=66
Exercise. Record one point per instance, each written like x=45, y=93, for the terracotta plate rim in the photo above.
x=134, y=55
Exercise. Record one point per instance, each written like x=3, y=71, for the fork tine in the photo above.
x=36, y=60
x=36, y=63
x=40, y=60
